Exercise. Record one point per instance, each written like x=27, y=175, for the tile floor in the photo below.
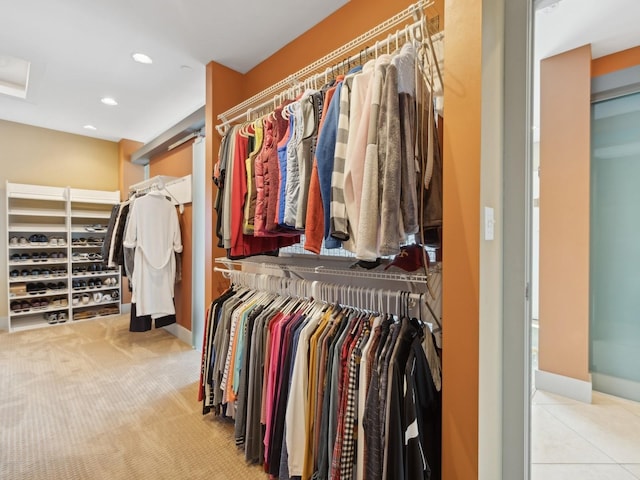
x=571, y=440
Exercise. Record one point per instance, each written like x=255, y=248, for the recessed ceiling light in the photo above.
x=90, y=127
x=109, y=101
x=142, y=58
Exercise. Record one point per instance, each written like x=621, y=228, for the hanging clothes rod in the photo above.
x=365, y=298
x=324, y=64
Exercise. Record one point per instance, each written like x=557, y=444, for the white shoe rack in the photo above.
x=54, y=263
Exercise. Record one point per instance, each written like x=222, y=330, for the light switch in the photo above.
x=489, y=222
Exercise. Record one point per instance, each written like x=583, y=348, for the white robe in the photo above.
x=153, y=230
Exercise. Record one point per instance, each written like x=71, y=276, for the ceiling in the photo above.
x=80, y=51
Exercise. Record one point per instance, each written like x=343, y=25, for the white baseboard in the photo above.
x=4, y=323
x=579, y=390
x=125, y=308
x=619, y=387
x=180, y=332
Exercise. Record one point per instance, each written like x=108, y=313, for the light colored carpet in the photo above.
x=93, y=401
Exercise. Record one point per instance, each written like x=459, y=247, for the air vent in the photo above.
x=14, y=76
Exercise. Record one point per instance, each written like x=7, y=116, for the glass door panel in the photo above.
x=615, y=238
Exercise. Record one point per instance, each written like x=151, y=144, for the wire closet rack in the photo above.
x=327, y=64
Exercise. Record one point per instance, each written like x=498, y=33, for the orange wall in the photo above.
x=565, y=85
x=128, y=174
x=616, y=61
x=461, y=261
x=178, y=163
x=347, y=23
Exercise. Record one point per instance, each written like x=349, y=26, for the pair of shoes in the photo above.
x=38, y=239
x=57, y=242
x=95, y=228
x=22, y=257
x=36, y=288
x=58, y=272
x=23, y=306
x=110, y=282
x=39, y=303
x=39, y=257
x=59, y=302
x=83, y=315
x=55, y=317
x=58, y=255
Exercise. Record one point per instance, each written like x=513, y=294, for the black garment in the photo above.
x=395, y=414
x=118, y=249
x=428, y=408
x=143, y=323
x=219, y=182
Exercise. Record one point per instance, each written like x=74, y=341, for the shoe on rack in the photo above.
x=51, y=317
x=14, y=273
x=53, y=241
x=13, y=241
x=62, y=317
